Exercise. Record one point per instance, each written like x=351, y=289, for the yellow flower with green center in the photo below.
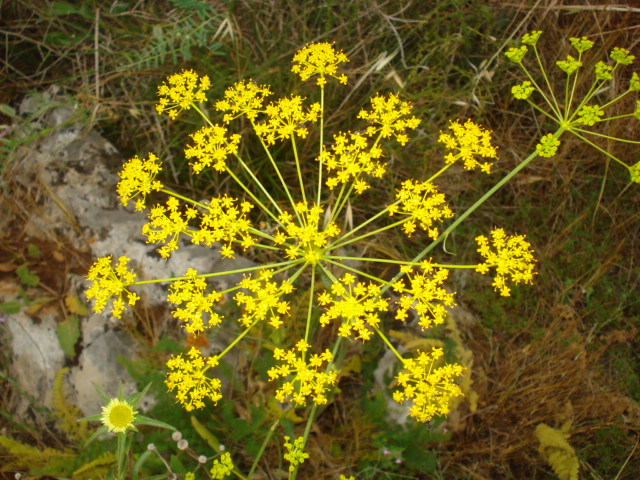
x=118, y=416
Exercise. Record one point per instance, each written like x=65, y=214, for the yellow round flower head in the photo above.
x=118, y=416
x=319, y=59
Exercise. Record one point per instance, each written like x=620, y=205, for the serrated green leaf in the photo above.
x=68, y=335
x=26, y=277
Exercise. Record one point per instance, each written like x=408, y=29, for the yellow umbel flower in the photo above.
x=197, y=305
x=137, y=178
x=429, y=388
x=304, y=239
x=108, y=282
x=295, y=454
x=349, y=159
x=187, y=376
x=222, y=467
x=422, y=204
x=389, y=116
x=243, y=98
x=212, y=147
x=264, y=300
x=356, y=305
x=319, y=59
x=511, y=256
x=287, y=118
x=468, y=142
x=167, y=222
x=310, y=380
x=118, y=416
x=182, y=93
x=425, y=295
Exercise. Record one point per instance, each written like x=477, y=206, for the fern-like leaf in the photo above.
x=65, y=412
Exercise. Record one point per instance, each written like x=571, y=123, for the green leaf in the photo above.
x=142, y=420
x=206, y=435
x=177, y=466
x=33, y=251
x=10, y=307
x=68, y=335
x=8, y=110
x=63, y=8
x=26, y=277
x=75, y=305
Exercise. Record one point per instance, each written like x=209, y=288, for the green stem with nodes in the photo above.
x=297, y=158
x=319, y=194
x=276, y=169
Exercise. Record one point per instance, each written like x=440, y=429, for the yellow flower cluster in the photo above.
x=349, y=158
x=212, y=147
x=222, y=467
x=287, y=118
x=295, y=454
x=470, y=141
x=309, y=380
x=187, y=375
x=226, y=222
x=243, y=98
x=355, y=304
x=430, y=389
x=264, y=300
x=511, y=256
x=108, y=282
x=389, y=117
x=137, y=177
x=319, y=59
x=183, y=91
x=168, y=222
x=190, y=292
x=304, y=239
x=423, y=206
x=425, y=295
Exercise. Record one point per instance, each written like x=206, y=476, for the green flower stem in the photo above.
x=334, y=211
x=250, y=193
x=276, y=169
x=601, y=135
x=286, y=265
x=186, y=199
x=554, y=106
x=441, y=171
x=206, y=119
x=319, y=193
x=364, y=224
x=544, y=112
x=473, y=207
x=604, y=152
x=388, y=343
x=297, y=158
x=262, y=448
x=307, y=329
x=359, y=272
x=396, y=262
x=341, y=243
x=618, y=117
x=237, y=339
x=340, y=206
